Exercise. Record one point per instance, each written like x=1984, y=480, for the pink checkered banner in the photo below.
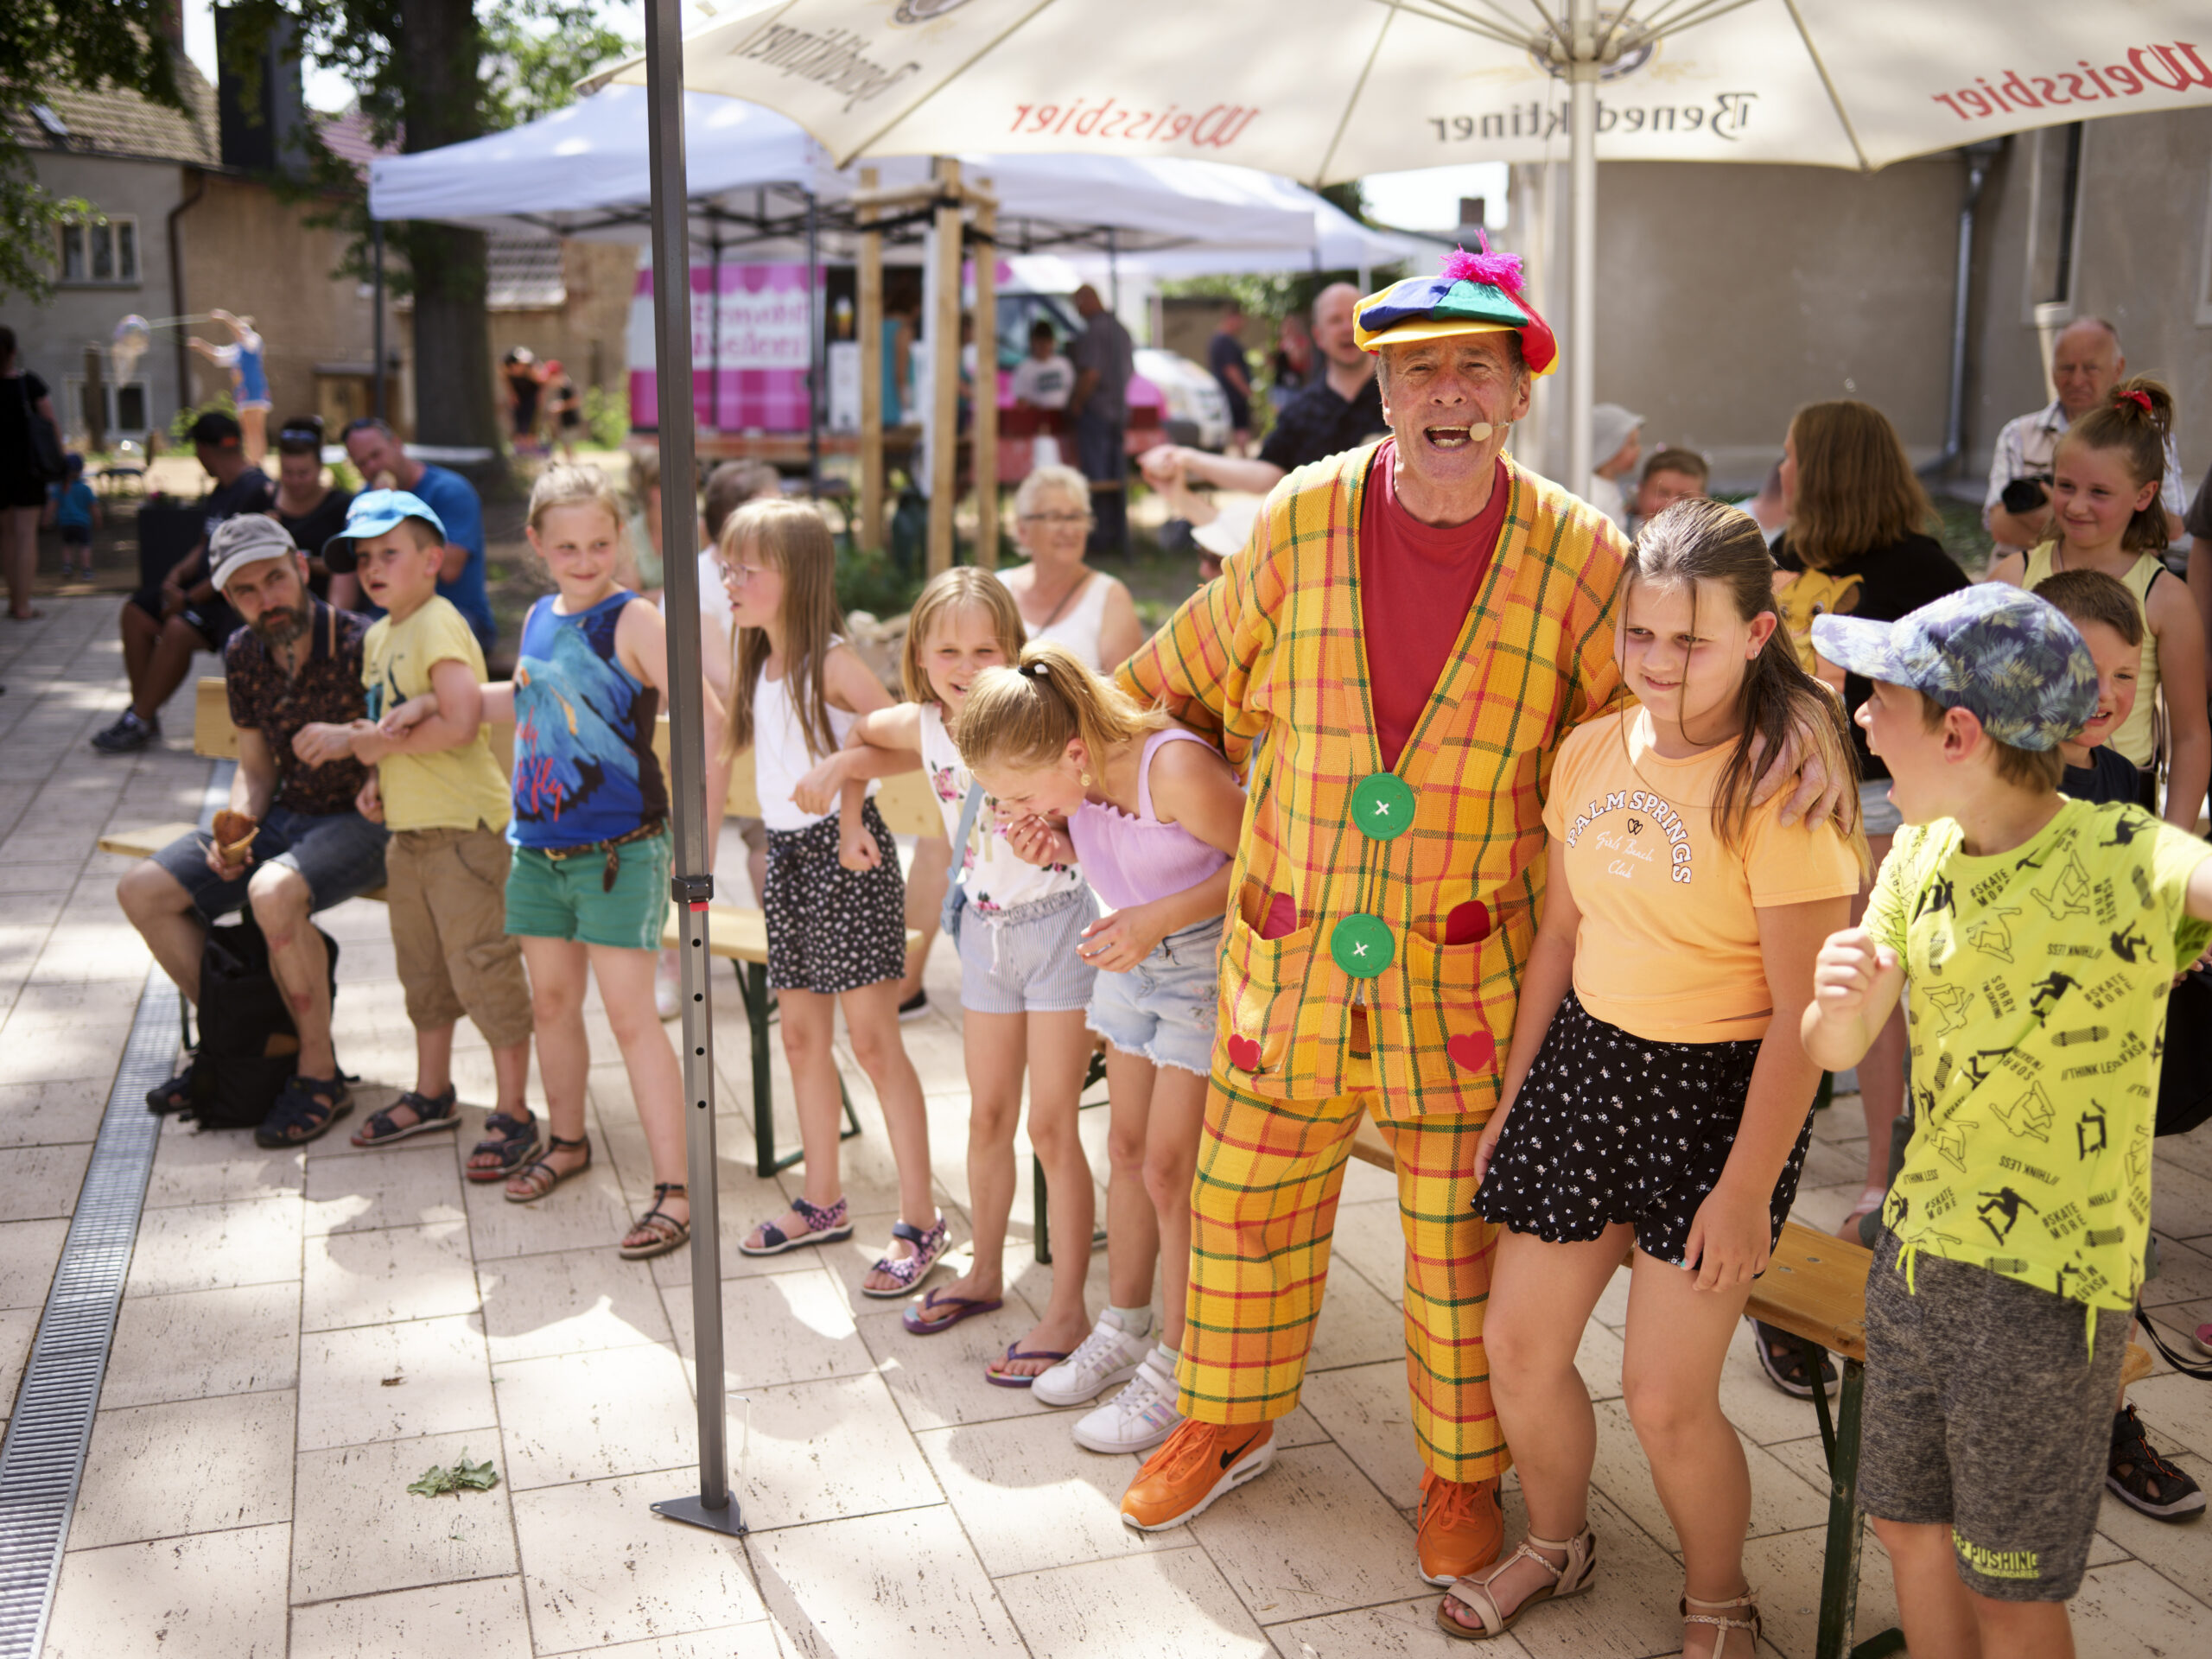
x=748, y=349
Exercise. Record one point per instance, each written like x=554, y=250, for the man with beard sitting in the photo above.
x=296, y=664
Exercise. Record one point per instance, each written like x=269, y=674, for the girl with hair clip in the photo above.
x=1657, y=1094
x=2107, y=516
x=834, y=901
x=1153, y=812
x=1022, y=986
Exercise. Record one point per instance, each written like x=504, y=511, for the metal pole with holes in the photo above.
x=1582, y=301
x=692, y=886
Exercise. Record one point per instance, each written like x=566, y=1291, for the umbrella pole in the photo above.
x=692, y=887
x=1582, y=302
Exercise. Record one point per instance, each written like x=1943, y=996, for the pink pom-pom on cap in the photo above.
x=1500, y=270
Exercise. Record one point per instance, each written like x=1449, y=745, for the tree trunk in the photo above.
x=443, y=99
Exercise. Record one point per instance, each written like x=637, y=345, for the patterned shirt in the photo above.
x=1273, y=658
x=327, y=689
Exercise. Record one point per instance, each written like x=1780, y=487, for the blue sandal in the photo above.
x=825, y=1225
x=513, y=1141
x=929, y=1251
x=437, y=1111
x=304, y=1111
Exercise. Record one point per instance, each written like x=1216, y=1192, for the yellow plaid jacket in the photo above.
x=1272, y=659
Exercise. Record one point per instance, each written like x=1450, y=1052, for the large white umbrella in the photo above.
x=1323, y=89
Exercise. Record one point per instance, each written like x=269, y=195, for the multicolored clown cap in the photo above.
x=1474, y=294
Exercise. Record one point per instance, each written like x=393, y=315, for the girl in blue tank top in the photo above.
x=588, y=889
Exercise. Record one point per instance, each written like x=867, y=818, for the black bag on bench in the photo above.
x=249, y=1047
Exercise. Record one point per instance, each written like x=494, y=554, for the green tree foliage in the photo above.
x=427, y=74
x=88, y=44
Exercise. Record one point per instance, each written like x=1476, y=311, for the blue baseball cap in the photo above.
x=373, y=513
x=2009, y=658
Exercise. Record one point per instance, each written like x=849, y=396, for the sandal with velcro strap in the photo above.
x=1569, y=1577
x=513, y=1141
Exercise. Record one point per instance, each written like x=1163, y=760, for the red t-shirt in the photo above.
x=1417, y=582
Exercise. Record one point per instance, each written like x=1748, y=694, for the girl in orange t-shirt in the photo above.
x=1656, y=1093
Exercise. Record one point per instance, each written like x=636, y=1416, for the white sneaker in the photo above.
x=1137, y=1419
x=1109, y=1355
x=668, y=986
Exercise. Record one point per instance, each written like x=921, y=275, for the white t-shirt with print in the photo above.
x=996, y=879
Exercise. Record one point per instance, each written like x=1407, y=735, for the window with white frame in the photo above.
x=123, y=407
x=102, y=254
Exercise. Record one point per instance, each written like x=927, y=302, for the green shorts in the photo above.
x=567, y=898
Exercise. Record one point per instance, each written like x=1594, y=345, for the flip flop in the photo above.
x=968, y=1307
x=1015, y=1350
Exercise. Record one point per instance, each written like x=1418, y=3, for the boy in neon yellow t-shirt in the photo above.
x=446, y=800
x=2039, y=936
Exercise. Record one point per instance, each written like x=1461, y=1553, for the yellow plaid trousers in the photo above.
x=1263, y=1212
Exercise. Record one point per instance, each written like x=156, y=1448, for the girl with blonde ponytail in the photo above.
x=2105, y=516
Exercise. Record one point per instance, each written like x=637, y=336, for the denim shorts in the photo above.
x=1023, y=960
x=569, y=897
x=1163, y=1010
x=1882, y=818
x=340, y=854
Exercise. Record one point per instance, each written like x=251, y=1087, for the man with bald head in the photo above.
x=2086, y=363
x=1341, y=410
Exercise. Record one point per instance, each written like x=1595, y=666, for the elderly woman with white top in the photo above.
x=1059, y=596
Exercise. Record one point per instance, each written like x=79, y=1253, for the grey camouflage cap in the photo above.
x=2010, y=659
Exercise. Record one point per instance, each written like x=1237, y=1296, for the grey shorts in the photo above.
x=1879, y=814
x=1163, y=1010
x=1023, y=960
x=1985, y=1410
x=340, y=854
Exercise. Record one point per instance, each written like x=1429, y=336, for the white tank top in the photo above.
x=780, y=755
x=995, y=878
x=1078, y=628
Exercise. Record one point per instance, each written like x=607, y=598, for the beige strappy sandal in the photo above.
x=1718, y=1614
x=1570, y=1578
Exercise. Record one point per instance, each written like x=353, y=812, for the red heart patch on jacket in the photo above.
x=1468, y=924
x=1472, y=1050
x=1244, y=1053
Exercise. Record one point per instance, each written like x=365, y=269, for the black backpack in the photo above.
x=2186, y=1074
x=249, y=1047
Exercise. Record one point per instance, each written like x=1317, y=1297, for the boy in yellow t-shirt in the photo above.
x=2039, y=936
x=445, y=801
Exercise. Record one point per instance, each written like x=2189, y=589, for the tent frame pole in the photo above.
x=869, y=535
x=691, y=887
x=1582, y=303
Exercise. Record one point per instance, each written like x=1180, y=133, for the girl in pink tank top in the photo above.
x=1078, y=773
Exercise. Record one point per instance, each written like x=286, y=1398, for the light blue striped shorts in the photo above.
x=1023, y=960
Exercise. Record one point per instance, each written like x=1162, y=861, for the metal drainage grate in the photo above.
x=43, y=1457
x=42, y=1461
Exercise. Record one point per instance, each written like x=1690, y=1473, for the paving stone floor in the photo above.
x=304, y=1333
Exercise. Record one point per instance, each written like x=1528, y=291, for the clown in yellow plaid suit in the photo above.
x=1272, y=657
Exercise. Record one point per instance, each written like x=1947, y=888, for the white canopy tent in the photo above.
x=584, y=172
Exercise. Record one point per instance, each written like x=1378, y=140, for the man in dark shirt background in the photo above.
x=1232, y=372
x=1105, y=360
x=163, y=626
x=1340, y=411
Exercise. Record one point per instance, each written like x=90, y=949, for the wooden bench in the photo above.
x=736, y=933
x=1814, y=1288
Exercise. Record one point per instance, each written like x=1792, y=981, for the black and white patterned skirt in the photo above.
x=831, y=929
x=1611, y=1128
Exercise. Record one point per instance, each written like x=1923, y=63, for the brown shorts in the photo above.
x=447, y=893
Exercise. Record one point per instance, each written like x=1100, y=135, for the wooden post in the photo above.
x=944, y=370
x=987, y=381
x=870, y=532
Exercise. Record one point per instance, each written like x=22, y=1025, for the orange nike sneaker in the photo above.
x=1462, y=1527
x=1196, y=1464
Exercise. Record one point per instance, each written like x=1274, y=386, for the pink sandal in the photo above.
x=825, y=1225
x=929, y=1251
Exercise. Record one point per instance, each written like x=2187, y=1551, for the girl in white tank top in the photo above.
x=835, y=903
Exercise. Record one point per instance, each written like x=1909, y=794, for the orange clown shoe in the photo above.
x=1196, y=1464
x=1475, y=294
x=1462, y=1527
